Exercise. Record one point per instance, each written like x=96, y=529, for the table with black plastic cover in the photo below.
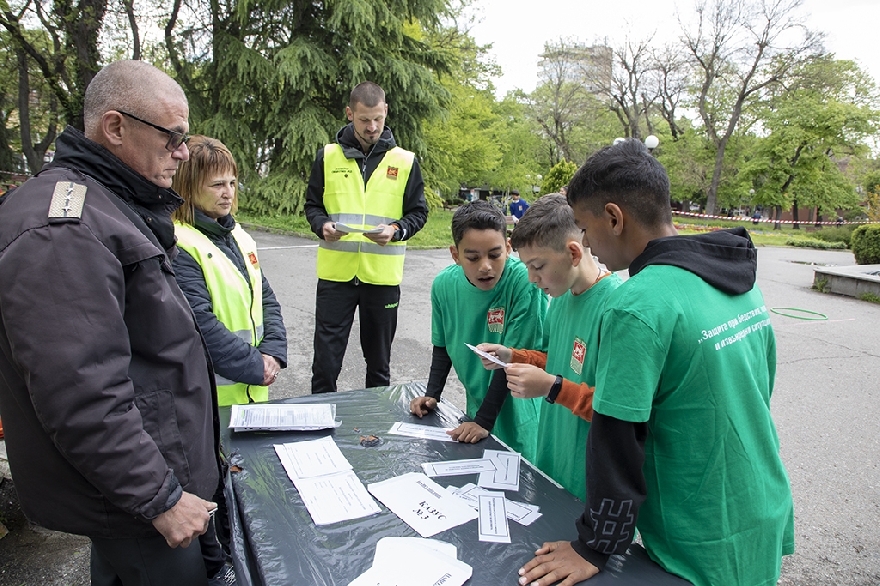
x=276, y=543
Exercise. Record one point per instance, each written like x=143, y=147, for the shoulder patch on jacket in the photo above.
x=67, y=201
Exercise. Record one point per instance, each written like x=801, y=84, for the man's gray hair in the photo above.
x=133, y=86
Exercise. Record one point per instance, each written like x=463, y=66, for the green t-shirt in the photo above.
x=698, y=366
x=572, y=331
x=512, y=313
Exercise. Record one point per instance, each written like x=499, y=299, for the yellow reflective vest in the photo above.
x=237, y=303
x=349, y=201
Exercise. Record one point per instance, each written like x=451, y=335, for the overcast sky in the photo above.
x=518, y=29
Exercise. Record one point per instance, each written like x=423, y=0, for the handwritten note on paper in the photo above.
x=421, y=431
x=458, y=467
x=421, y=503
x=283, y=417
x=493, y=519
x=506, y=475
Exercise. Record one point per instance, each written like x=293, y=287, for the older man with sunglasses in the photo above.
x=105, y=386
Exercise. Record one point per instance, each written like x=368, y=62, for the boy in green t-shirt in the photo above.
x=550, y=245
x=682, y=445
x=485, y=295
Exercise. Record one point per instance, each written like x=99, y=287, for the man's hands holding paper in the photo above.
x=383, y=237
x=556, y=562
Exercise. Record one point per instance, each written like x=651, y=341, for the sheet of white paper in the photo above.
x=493, y=519
x=421, y=431
x=311, y=458
x=458, y=467
x=421, y=503
x=340, y=227
x=494, y=359
x=522, y=513
x=283, y=417
x=336, y=497
x=392, y=547
x=506, y=475
x=413, y=561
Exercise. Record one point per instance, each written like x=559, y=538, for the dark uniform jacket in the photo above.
x=105, y=386
x=233, y=358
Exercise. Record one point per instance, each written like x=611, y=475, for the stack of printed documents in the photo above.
x=415, y=562
x=283, y=417
x=325, y=480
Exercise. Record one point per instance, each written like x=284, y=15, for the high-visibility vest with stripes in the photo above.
x=237, y=303
x=348, y=201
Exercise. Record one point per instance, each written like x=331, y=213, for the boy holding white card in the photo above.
x=486, y=295
x=550, y=245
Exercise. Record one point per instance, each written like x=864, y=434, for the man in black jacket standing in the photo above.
x=365, y=200
x=105, y=385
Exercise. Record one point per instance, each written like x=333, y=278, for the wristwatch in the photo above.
x=554, y=390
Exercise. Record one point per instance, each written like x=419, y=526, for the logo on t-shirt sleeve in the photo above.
x=577, y=355
x=496, y=320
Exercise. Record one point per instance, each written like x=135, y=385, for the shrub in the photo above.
x=811, y=243
x=834, y=234
x=865, y=244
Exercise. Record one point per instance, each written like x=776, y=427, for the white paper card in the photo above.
x=283, y=417
x=421, y=431
x=506, y=475
x=458, y=467
x=493, y=519
x=413, y=561
x=421, y=503
x=494, y=359
x=336, y=497
x=311, y=458
x=340, y=227
x=522, y=513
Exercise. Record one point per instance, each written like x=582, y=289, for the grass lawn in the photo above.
x=437, y=232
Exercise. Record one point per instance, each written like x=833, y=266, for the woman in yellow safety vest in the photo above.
x=219, y=272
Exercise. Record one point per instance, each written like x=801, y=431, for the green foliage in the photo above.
x=275, y=82
x=834, y=234
x=813, y=243
x=869, y=297
x=820, y=284
x=865, y=244
x=558, y=176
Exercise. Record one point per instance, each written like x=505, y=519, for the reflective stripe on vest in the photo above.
x=237, y=303
x=347, y=200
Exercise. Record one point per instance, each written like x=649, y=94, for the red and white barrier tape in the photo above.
x=766, y=221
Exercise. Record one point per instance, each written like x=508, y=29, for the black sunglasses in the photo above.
x=177, y=138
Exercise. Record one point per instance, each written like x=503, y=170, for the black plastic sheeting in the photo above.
x=275, y=542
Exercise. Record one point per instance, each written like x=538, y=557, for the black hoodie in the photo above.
x=726, y=260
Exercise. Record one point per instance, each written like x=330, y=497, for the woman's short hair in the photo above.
x=207, y=157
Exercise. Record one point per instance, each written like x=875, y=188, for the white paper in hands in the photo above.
x=487, y=355
x=340, y=227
